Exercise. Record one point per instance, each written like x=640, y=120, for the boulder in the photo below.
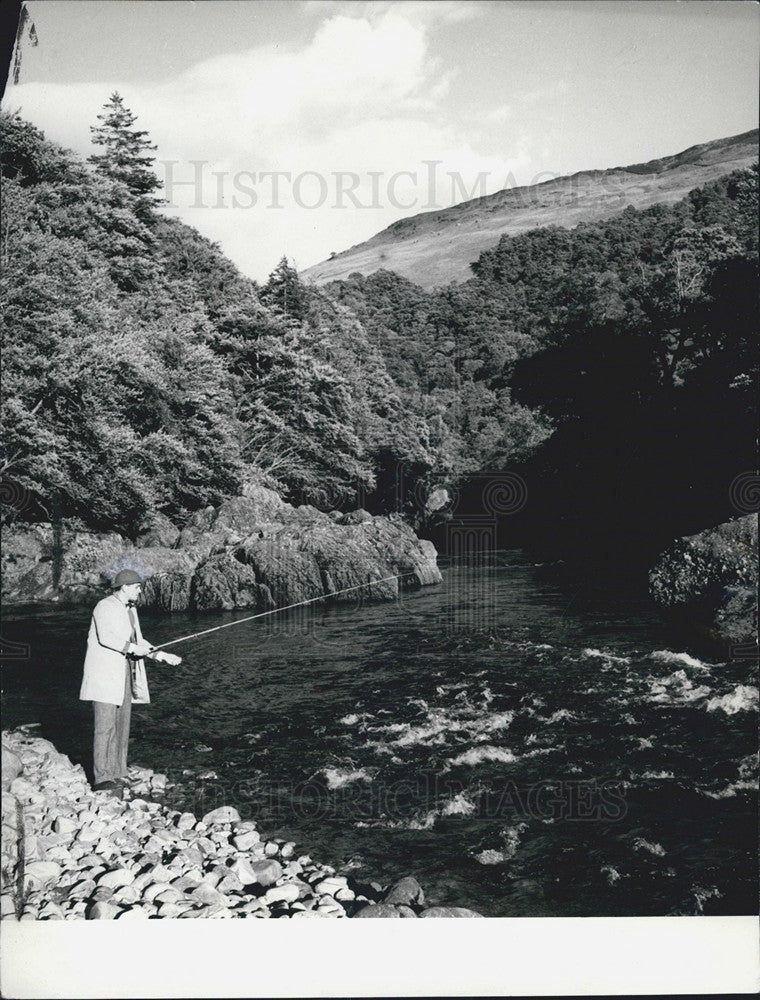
x=708, y=582
x=253, y=551
x=449, y=911
x=223, y=582
x=358, y=516
x=158, y=531
x=406, y=892
x=168, y=590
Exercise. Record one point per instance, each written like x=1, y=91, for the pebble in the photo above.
x=116, y=879
x=264, y=873
x=287, y=893
x=224, y=814
x=330, y=885
x=245, y=841
x=186, y=821
x=96, y=857
x=101, y=911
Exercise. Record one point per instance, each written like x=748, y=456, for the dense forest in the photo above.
x=633, y=340
x=613, y=366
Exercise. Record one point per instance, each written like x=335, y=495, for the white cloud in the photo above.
x=364, y=95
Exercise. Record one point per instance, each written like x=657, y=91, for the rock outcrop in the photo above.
x=69, y=853
x=708, y=582
x=254, y=551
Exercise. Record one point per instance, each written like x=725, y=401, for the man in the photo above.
x=114, y=677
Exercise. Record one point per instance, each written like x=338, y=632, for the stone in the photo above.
x=378, y=910
x=88, y=834
x=132, y=913
x=345, y=895
x=116, y=879
x=230, y=883
x=208, y=896
x=406, y=891
x=271, y=849
x=101, y=911
x=11, y=767
x=245, y=841
x=22, y=788
x=286, y=851
x=160, y=873
x=224, y=814
x=168, y=895
x=126, y=895
x=150, y=892
x=406, y=911
x=186, y=821
x=707, y=582
x=287, y=893
x=192, y=856
x=330, y=885
x=143, y=880
x=449, y=911
x=83, y=889
x=356, y=516
x=265, y=872
x=42, y=873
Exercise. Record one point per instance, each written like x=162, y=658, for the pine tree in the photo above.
x=285, y=291
x=126, y=158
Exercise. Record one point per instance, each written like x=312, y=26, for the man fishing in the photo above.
x=114, y=678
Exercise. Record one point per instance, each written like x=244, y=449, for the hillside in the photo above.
x=435, y=248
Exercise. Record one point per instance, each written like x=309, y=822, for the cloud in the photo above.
x=365, y=97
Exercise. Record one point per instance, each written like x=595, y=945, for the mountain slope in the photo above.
x=435, y=248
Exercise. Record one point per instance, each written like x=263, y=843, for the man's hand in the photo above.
x=171, y=658
x=140, y=648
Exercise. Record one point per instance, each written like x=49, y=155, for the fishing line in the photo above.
x=287, y=607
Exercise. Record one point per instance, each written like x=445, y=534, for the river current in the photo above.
x=522, y=746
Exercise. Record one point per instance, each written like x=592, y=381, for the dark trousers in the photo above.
x=111, y=741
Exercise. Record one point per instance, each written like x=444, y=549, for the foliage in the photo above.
x=615, y=364
x=126, y=155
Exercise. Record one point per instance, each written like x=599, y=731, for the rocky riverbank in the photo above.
x=69, y=853
x=708, y=582
x=255, y=551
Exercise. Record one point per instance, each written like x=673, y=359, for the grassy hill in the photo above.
x=435, y=248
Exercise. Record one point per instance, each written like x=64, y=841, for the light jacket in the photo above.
x=106, y=663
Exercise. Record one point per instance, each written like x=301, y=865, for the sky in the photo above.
x=369, y=112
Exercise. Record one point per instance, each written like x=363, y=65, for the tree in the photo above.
x=126, y=155
x=285, y=292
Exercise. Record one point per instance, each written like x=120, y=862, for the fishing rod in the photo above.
x=288, y=607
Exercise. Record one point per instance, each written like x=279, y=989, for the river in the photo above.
x=522, y=745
